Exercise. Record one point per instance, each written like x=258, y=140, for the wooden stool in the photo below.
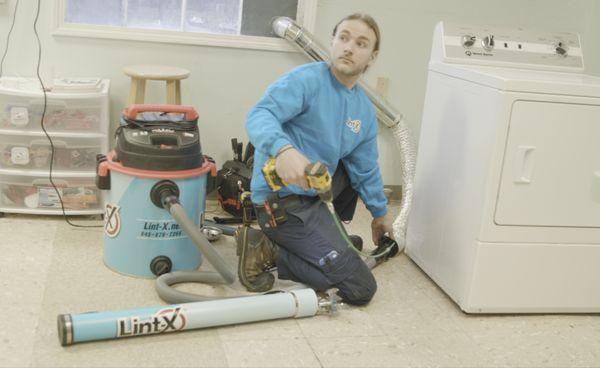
x=140, y=73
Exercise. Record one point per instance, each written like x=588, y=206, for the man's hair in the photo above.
x=366, y=19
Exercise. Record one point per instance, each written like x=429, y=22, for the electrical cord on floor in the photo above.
x=62, y=205
x=8, y=37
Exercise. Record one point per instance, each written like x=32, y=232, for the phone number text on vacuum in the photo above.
x=161, y=230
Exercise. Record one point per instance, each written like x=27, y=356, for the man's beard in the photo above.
x=351, y=72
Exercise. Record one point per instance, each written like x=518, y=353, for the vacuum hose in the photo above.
x=165, y=194
x=288, y=29
x=206, y=248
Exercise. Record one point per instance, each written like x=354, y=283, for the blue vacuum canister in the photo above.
x=154, y=143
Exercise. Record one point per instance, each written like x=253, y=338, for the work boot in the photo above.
x=255, y=257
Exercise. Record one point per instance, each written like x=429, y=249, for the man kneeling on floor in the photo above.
x=317, y=112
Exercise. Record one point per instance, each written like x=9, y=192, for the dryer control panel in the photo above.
x=507, y=47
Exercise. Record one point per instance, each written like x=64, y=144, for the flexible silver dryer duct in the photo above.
x=286, y=28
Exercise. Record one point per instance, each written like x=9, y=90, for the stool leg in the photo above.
x=173, y=92
x=137, y=91
x=178, y=92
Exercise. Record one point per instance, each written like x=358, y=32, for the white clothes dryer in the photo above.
x=506, y=205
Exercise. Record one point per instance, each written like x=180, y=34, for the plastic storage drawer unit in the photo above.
x=34, y=153
x=76, y=118
x=27, y=194
x=21, y=107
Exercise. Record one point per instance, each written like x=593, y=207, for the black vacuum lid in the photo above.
x=159, y=137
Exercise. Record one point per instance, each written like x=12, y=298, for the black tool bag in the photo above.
x=234, y=178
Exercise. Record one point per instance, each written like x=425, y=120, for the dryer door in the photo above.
x=551, y=168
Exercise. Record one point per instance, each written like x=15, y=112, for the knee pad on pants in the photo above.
x=353, y=278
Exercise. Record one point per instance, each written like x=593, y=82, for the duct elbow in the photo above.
x=281, y=25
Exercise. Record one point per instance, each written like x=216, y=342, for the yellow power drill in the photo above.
x=317, y=176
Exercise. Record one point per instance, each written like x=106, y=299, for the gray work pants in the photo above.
x=314, y=252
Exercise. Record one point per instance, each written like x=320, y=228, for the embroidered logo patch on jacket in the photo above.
x=354, y=125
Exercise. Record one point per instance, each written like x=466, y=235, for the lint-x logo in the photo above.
x=165, y=320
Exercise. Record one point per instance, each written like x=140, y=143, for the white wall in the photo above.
x=592, y=53
x=225, y=83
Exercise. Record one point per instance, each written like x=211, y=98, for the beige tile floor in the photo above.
x=48, y=268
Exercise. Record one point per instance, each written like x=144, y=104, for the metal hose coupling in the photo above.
x=329, y=303
x=164, y=194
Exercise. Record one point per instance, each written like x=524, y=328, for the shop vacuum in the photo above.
x=155, y=153
x=156, y=179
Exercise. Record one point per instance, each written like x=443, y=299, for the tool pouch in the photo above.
x=247, y=209
x=275, y=209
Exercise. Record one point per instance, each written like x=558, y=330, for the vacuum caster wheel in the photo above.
x=161, y=265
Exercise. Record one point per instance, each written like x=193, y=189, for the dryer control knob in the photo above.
x=488, y=43
x=468, y=41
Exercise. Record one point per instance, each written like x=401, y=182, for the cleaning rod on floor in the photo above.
x=76, y=328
